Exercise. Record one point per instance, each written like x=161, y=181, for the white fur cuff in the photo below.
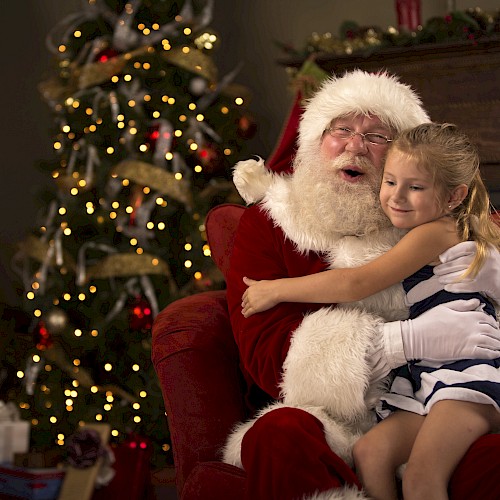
x=326, y=364
x=252, y=179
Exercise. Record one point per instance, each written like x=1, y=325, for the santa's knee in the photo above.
x=284, y=430
x=476, y=476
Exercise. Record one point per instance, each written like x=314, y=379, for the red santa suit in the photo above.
x=306, y=365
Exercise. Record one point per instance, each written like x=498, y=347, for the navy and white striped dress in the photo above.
x=420, y=384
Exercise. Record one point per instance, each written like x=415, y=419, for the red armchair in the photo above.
x=196, y=361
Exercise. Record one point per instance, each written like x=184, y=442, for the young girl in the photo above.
x=431, y=186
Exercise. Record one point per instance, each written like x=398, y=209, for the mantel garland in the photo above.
x=469, y=25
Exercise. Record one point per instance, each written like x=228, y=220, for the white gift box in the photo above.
x=14, y=438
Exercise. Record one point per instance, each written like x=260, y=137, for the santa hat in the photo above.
x=358, y=92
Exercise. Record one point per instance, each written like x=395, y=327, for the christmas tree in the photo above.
x=145, y=136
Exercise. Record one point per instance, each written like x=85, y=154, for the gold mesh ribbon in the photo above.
x=193, y=60
x=56, y=354
x=89, y=75
x=37, y=249
x=128, y=264
x=82, y=77
x=156, y=178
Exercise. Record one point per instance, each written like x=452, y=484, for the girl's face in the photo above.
x=408, y=194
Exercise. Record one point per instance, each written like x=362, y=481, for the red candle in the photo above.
x=408, y=12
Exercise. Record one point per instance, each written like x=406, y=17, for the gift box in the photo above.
x=132, y=479
x=14, y=433
x=14, y=438
x=32, y=484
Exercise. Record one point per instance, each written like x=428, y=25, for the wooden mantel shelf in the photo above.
x=458, y=82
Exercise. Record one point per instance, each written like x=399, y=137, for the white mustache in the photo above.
x=348, y=160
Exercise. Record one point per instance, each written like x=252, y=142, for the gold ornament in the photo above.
x=56, y=320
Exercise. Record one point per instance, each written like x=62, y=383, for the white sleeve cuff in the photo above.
x=393, y=344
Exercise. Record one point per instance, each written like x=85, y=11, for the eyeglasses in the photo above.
x=346, y=134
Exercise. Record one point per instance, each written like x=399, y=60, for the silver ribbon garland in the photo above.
x=114, y=106
x=142, y=216
x=49, y=219
x=54, y=249
x=43, y=271
x=133, y=92
x=93, y=160
x=124, y=36
x=113, y=187
x=31, y=372
x=150, y=294
x=180, y=166
x=206, y=100
x=58, y=248
x=81, y=265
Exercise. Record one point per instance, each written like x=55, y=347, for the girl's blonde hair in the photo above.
x=451, y=159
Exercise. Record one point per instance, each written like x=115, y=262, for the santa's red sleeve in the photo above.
x=261, y=251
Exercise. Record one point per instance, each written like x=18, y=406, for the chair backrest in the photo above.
x=220, y=224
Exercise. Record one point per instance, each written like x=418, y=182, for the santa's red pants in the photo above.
x=285, y=456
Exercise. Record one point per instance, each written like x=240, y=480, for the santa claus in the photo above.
x=316, y=372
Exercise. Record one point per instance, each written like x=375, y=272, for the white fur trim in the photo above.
x=352, y=251
x=252, y=179
x=326, y=362
x=360, y=92
x=277, y=204
x=345, y=493
x=231, y=452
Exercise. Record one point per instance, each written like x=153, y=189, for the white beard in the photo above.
x=326, y=208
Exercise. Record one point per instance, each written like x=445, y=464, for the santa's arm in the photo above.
x=261, y=249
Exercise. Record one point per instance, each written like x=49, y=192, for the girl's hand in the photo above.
x=259, y=296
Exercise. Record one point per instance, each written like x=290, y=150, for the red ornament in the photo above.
x=246, y=127
x=211, y=158
x=137, y=442
x=105, y=55
x=42, y=337
x=152, y=136
x=140, y=315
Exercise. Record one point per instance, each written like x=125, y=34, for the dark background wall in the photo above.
x=248, y=30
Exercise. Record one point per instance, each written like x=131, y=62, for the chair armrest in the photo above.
x=196, y=361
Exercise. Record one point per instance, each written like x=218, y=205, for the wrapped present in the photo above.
x=86, y=458
x=39, y=459
x=14, y=433
x=32, y=484
x=132, y=478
